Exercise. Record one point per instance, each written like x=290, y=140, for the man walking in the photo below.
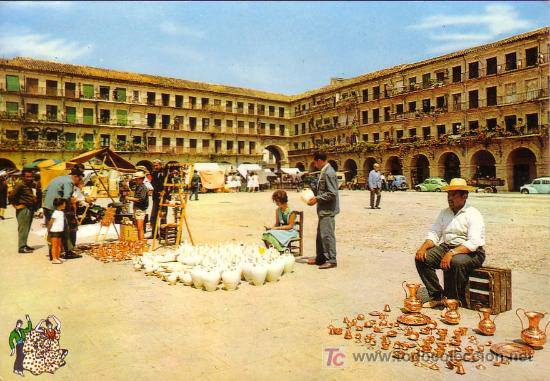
x=24, y=200
x=327, y=208
x=375, y=185
x=195, y=185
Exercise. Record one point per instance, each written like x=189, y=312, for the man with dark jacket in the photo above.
x=157, y=181
x=24, y=199
x=328, y=207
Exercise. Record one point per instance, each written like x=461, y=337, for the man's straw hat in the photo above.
x=139, y=175
x=458, y=184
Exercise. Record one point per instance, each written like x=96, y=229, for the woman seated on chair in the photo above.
x=284, y=230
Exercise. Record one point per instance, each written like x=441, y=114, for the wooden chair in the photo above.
x=296, y=246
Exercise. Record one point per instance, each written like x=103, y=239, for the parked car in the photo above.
x=399, y=183
x=431, y=184
x=538, y=185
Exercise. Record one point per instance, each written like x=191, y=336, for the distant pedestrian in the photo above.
x=141, y=203
x=256, y=182
x=195, y=186
x=24, y=200
x=375, y=184
x=328, y=207
x=389, y=180
x=383, y=179
x=249, y=187
x=3, y=196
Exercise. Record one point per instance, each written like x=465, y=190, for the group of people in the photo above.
x=454, y=243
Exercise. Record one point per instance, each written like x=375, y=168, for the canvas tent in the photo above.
x=107, y=157
x=212, y=176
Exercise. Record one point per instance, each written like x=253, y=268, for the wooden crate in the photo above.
x=490, y=287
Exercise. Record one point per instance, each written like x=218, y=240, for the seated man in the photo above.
x=453, y=244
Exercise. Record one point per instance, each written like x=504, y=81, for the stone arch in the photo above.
x=7, y=164
x=420, y=168
x=393, y=166
x=449, y=166
x=301, y=167
x=278, y=154
x=521, y=167
x=350, y=166
x=368, y=165
x=483, y=164
x=146, y=163
x=334, y=164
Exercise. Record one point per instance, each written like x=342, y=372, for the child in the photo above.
x=56, y=226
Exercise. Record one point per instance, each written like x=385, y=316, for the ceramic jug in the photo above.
x=533, y=335
x=486, y=326
x=411, y=303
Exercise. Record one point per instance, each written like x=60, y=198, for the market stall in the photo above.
x=211, y=174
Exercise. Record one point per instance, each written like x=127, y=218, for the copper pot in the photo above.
x=533, y=335
x=486, y=326
x=450, y=315
x=411, y=303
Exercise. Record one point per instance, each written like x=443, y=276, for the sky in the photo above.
x=284, y=47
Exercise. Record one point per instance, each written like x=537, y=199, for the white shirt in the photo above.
x=58, y=221
x=465, y=228
x=148, y=184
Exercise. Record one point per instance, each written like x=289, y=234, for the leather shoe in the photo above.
x=327, y=265
x=24, y=250
x=71, y=255
x=312, y=261
x=30, y=248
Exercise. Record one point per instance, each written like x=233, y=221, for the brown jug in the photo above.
x=450, y=315
x=533, y=335
x=486, y=326
x=411, y=303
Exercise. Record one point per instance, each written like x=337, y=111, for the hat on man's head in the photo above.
x=139, y=175
x=142, y=168
x=77, y=172
x=458, y=184
x=157, y=161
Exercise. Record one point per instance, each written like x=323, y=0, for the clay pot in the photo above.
x=258, y=273
x=289, y=262
x=196, y=275
x=275, y=270
x=210, y=280
x=186, y=278
x=231, y=279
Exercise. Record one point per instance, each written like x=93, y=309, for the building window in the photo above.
x=166, y=142
x=365, y=116
x=426, y=79
x=179, y=101
x=251, y=108
x=251, y=126
x=365, y=137
x=412, y=132
x=192, y=123
x=376, y=92
x=511, y=63
x=51, y=88
x=70, y=114
x=104, y=116
x=205, y=143
x=180, y=142
x=12, y=83
x=251, y=148
x=491, y=93
x=120, y=94
x=217, y=123
x=426, y=104
x=271, y=110
x=532, y=121
x=192, y=102
x=12, y=108
x=205, y=102
x=240, y=146
x=412, y=106
x=192, y=143
x=387, y=113
x=261, y=109
x=440, y=102
x=295, y=145
x=365, y=95
x=399, y=134
x=375, y=115
x=426, y=132
x=473, y=70
x=457, y=102
x=281, y=112
x=376, y=137
x=178, y=122
x=473, y=125
x=165, y=120
x=217, y=146
x=510, y=121
x=457, y=74
x=441, y=130
x=105, y=140
x=151, y=120
x=473, y=99
x=165, y=99
x=229, y=145
x=136, y=140
x=205, y=124
x=151, y=98
x=303, y=128
x=296, y=129
x=399, y=109
x=32, y=110
x=122, y=117
x=491, y=124
x=412, y=83
x=491, y=66
x=135, y=98
x=87, y=91
x=531, y=55
x=457, y=128
x=440, y=76
x=228, y=124
x=12, y=134
x=88, y=114
x=229, y=106
x=104, y=92
x=271, y=129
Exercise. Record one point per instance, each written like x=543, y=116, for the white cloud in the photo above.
x=173, y=29
x=41, y=46
x=493, y=22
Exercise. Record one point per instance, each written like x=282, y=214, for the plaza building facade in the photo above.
x=480, y=112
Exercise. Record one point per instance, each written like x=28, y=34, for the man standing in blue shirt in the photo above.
x=375, y=185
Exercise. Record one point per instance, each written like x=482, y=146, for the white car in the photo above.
x=538, y=185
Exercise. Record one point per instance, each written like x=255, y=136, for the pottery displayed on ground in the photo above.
x=533, y=335
x=450, y=315
x=486, y=326
x=212, y=267
x=411, y=303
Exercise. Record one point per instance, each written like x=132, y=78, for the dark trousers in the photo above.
x=19, y=356
x=326, y=240
x=195, y=192
x=375, y=192
x=24, y=222
x=455, y=279
x=154, y=213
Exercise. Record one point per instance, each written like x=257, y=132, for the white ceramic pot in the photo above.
x=210, y=280
x=172, y=279
x=196, y=275
x=246, y=269
x=289, y=263
x=231, y=279
x=186, y=278
x=275, y=270
x=307, y=194
x=258, y=273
